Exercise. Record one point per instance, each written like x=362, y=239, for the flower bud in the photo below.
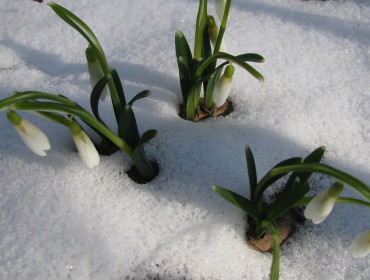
x=360, y=247
x=213, y=34
x=321, y=205
x=85, y=146
x=220, y=8
x=223, y=87
x=32, y=136
x=95, y=70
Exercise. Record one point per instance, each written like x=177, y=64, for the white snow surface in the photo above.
x=62, y=220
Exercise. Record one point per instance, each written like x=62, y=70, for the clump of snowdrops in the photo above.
x=265, y=214
x=199, y=70
x=58, y=108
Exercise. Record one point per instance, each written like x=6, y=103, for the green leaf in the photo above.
x=142, y=94
x=252, y=57
x=182, y=48
x=185, y=78
x=268, y=180
x=252, y=173
x=353, y=182
x=201, y=24
x=77, y=24
x=95, y=96
x=147, y=136
x=142, y=162
x=192, y=102
x=315, y=156
x=118, y=85
x=212, y=82
x=287, y=200
x=230, y=58
x=239, y=201
x=127, y=127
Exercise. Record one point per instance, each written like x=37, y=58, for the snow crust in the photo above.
x=62, y=220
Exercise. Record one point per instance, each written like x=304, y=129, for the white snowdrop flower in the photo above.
x=213, y=34
x=32, y=136
x=95, y=71
x=220, y=8
x=321, y=205
x=85, y=146
x=360, y=247
x=223, y=86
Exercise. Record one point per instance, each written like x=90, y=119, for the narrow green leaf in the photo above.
x=315, y=156
x=127, y=127
x=353, y=182
x=212, y=82
x=142, y=162
x=142, y=94
x=239, y=201
x=95, y=96
x=185, y=78
x=252, y=173
x=77, y=24
x=147, y=136
x=118, y=85
x=200, y=26
x=287, y=200
x=182, y=48
x=192, y=102
x=229, y=58
x=268, y=180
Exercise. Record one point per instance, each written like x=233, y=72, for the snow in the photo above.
x=62, y=220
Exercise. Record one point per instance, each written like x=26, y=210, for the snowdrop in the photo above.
x=322, y=204
x=85, y=146
x=95, y=71
x=360, y=247
x=223, y=86
x=32, y=136
x=213, y=34
x=220, y=8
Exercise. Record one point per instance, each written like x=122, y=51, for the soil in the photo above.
x=203, y=113
x=134, y=174
x=285, y=227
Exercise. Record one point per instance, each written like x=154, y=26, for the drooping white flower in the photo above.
x=85, y=146
x=220, y=8
x=95, y=71
x=223, y=86
x=213, y=34
x=32, y=136
x=360, y=247
x=321, y=205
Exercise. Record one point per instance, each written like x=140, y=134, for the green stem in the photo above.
x=33, y=95
x=275, y=267
x=351, y=181
x=79, y=112
x=341, y=199
x=221, y=32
